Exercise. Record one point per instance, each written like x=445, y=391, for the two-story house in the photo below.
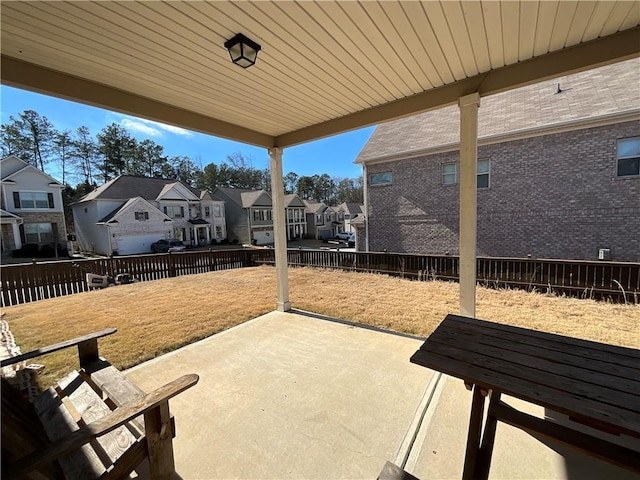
x=129, y=213
x=295, y=219
x=250, y=215
x=350, y=212
x=31, y=210
x=316, y=226
x=558, y=172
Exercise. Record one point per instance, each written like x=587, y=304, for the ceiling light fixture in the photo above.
x=243, y=50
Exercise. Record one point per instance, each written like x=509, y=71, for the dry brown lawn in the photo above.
x=156, y=317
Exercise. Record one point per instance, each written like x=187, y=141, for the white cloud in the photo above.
x=151, y=128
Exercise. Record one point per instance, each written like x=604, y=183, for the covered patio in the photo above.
x=297, y=395
x=323, y=68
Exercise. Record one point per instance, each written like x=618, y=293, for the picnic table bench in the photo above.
x=594, y=384
x=94, y=424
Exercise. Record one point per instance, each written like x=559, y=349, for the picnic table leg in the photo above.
x=473, y=437
x=483, y=462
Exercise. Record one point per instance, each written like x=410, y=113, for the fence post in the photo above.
x=172, y=267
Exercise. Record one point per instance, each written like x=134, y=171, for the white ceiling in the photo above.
x=325, y=66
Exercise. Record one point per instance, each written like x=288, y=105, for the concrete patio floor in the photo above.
x=301, y=396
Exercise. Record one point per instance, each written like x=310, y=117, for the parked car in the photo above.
x=164, y=246
x=343, y=235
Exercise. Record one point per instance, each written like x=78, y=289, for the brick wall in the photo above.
x=553, y=196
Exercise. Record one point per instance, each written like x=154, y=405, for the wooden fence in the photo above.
x=24, y=283
x=600, y=280
x=616, y=281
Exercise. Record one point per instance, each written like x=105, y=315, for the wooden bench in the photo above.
x=594, y=384
x=94, y=424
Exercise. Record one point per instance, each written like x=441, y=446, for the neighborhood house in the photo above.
x=31, y=212
x=129, y=213
x=558, y=173
x=250, y=215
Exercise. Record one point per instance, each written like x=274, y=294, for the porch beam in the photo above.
x=279, y=230
x=468, y=201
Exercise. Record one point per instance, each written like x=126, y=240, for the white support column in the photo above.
x=279, y=230
x=16, y=235
x=468, y=194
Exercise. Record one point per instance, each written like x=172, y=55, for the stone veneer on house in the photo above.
x=551, y=196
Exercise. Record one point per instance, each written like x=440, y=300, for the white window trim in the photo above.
x=454, y=173
x=487, y=173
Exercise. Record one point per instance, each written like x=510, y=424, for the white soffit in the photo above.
x=325, y=66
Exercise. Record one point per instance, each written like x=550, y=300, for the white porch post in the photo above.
x=15, y=229
x=279, y=230
x=468, y=193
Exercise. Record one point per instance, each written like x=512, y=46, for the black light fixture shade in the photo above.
x=243, y=50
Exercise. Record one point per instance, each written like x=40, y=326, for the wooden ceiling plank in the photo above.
x=325, y=46
x=158, y=68
x=317, y=10
x=544, y=27
x=598, y=20
x=285, y=90
x=365, y=33
x=186, y=100
x=300, y=69
x=527, y=34
x=420, y=60
x=418, y=19
x=88, y=54
x=440, y=26
x=562, y=25
x=581, y=19
x=389, y=34
x=493, y=26
x=320, y=50
x=510, y=12
x=478, y=36
x=618, y=15
x=599, y=52
x=23, y=75
x=461, y=36
x=235, y=80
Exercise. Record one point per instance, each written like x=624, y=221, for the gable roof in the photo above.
x=292, y=199
x=124, y=187
x=315, y=207
x=126, y=205
x=22, y=166
x=603, y=93
x=243, y=197
x=351, y=207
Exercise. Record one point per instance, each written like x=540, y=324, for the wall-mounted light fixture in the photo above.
x=243, y=50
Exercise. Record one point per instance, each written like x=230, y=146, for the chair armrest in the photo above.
x=58, y=346
x=117, y=418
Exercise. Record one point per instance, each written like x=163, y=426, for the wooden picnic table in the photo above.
x=595, y=384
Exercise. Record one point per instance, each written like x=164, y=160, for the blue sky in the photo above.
x=333, y=155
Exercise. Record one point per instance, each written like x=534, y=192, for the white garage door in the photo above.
x=264, y=237
x=137, y=243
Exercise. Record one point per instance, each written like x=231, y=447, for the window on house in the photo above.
x=173, y=211
x=207, y=212
x=629, y=157
x=33, y=199
x=218, y=231
x=217, y=211
x=484, y=171
x=38, y=233
x=141, y=216
x=449, y=173
x=384, y=178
